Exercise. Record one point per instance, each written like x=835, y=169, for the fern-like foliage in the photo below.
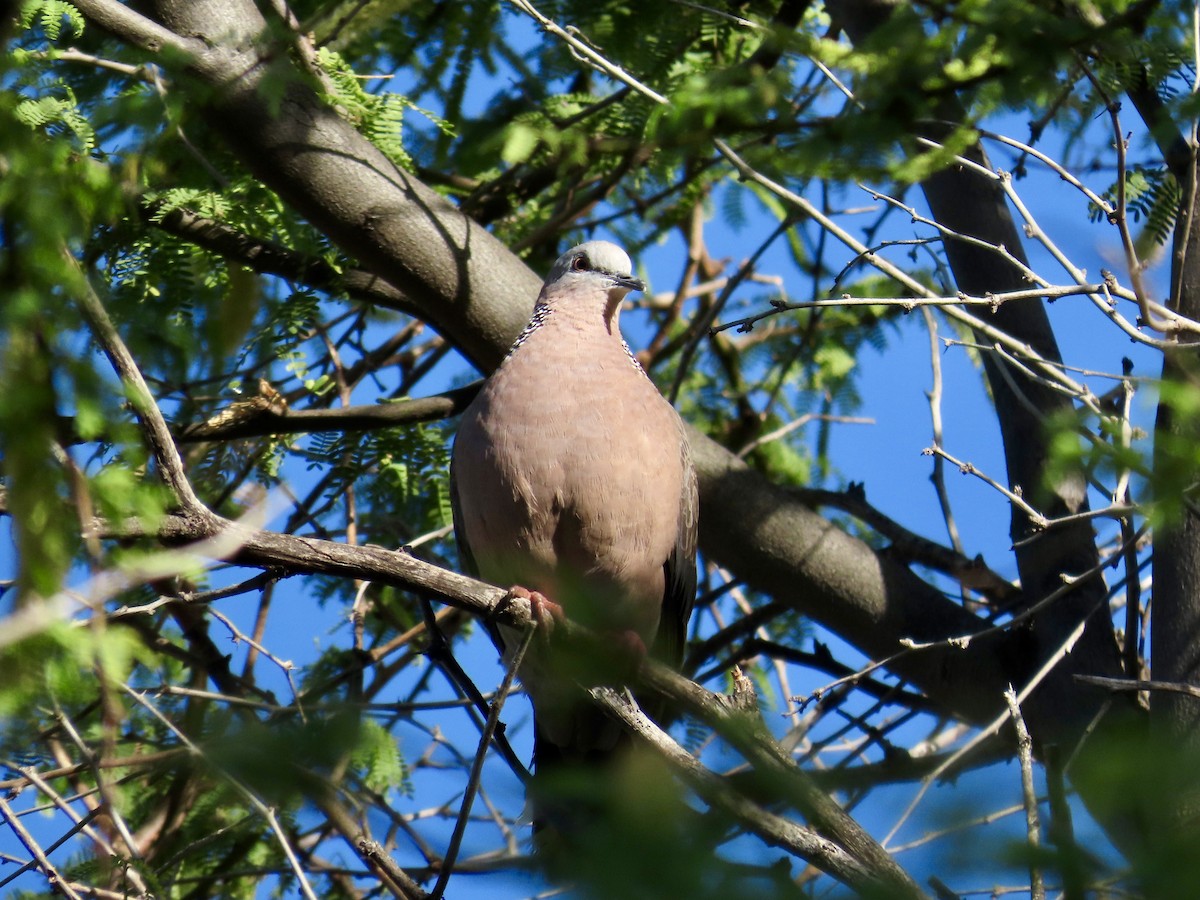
x=58, y=115
x=56, y=18
x=379, y=116
x=378, y=757
x=1152, y=195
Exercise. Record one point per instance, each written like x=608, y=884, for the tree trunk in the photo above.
x=975, y=207
x=1175, y=627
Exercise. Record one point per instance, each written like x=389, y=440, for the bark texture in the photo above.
x=1175, y=627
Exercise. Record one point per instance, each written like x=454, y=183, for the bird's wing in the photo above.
x=679, y=592
x=464, y=550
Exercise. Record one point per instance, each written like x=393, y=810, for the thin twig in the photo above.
x=799, y=422
x=263, y=810
x=109, y=801
x=703, y=324
x=1139, y=684
x=934, y=395
x=1120, y=215
x=53, y=877
x=485, y=741
x=1039, y=520
x=1037, y=886
x=162, y=445
x=992, y=727
x=586, y=53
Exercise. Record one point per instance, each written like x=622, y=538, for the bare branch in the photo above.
x=53, y=878
x=1037, y=889
x=769, y=827
x=131, y=26
x=259, y=419
x=584, y=51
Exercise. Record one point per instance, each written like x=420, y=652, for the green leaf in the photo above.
x=377, y=755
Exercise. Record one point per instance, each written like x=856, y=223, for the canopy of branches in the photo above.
x=254, y=254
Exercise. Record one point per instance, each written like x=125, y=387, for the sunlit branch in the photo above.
x=1139, y=684
x=254, y=419
x=919, y=290
x=967, y=468
x=263, y=810
x=584, y=51
x=796, y=423
x=934, y=397
x=1033, y=837
x=992, y=727
x=53, y=876
x=1119, y=216
x=768, y=826
x=132, y=26
x=1174, y=321
x=950, y=234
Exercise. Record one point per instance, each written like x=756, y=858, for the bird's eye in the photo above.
x=581, y=263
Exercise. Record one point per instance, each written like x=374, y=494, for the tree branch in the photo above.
x=270, y=258
x=251, y=419
x=154, y=425
x=136, y=29
x=768, y=826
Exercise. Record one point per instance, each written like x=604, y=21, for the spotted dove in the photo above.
x=571, y=477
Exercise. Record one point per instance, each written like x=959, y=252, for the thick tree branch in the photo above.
x=1175, y=627
x=270, y=258
x=300, y=146
x=252, y=419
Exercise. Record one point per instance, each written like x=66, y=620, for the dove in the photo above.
x=572, y=481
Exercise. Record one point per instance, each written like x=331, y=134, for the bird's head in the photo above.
x=593, y=266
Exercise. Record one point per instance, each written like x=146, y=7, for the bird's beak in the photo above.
x=629, y=283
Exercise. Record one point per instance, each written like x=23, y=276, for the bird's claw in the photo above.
x=544, y=613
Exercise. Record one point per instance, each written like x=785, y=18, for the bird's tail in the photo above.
x=571, y=779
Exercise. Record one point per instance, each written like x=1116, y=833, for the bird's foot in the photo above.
x=543, y=611
x=629, y=652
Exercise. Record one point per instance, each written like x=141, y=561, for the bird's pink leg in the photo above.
x=544, y=611
x=625, y=651
x=629, y=652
